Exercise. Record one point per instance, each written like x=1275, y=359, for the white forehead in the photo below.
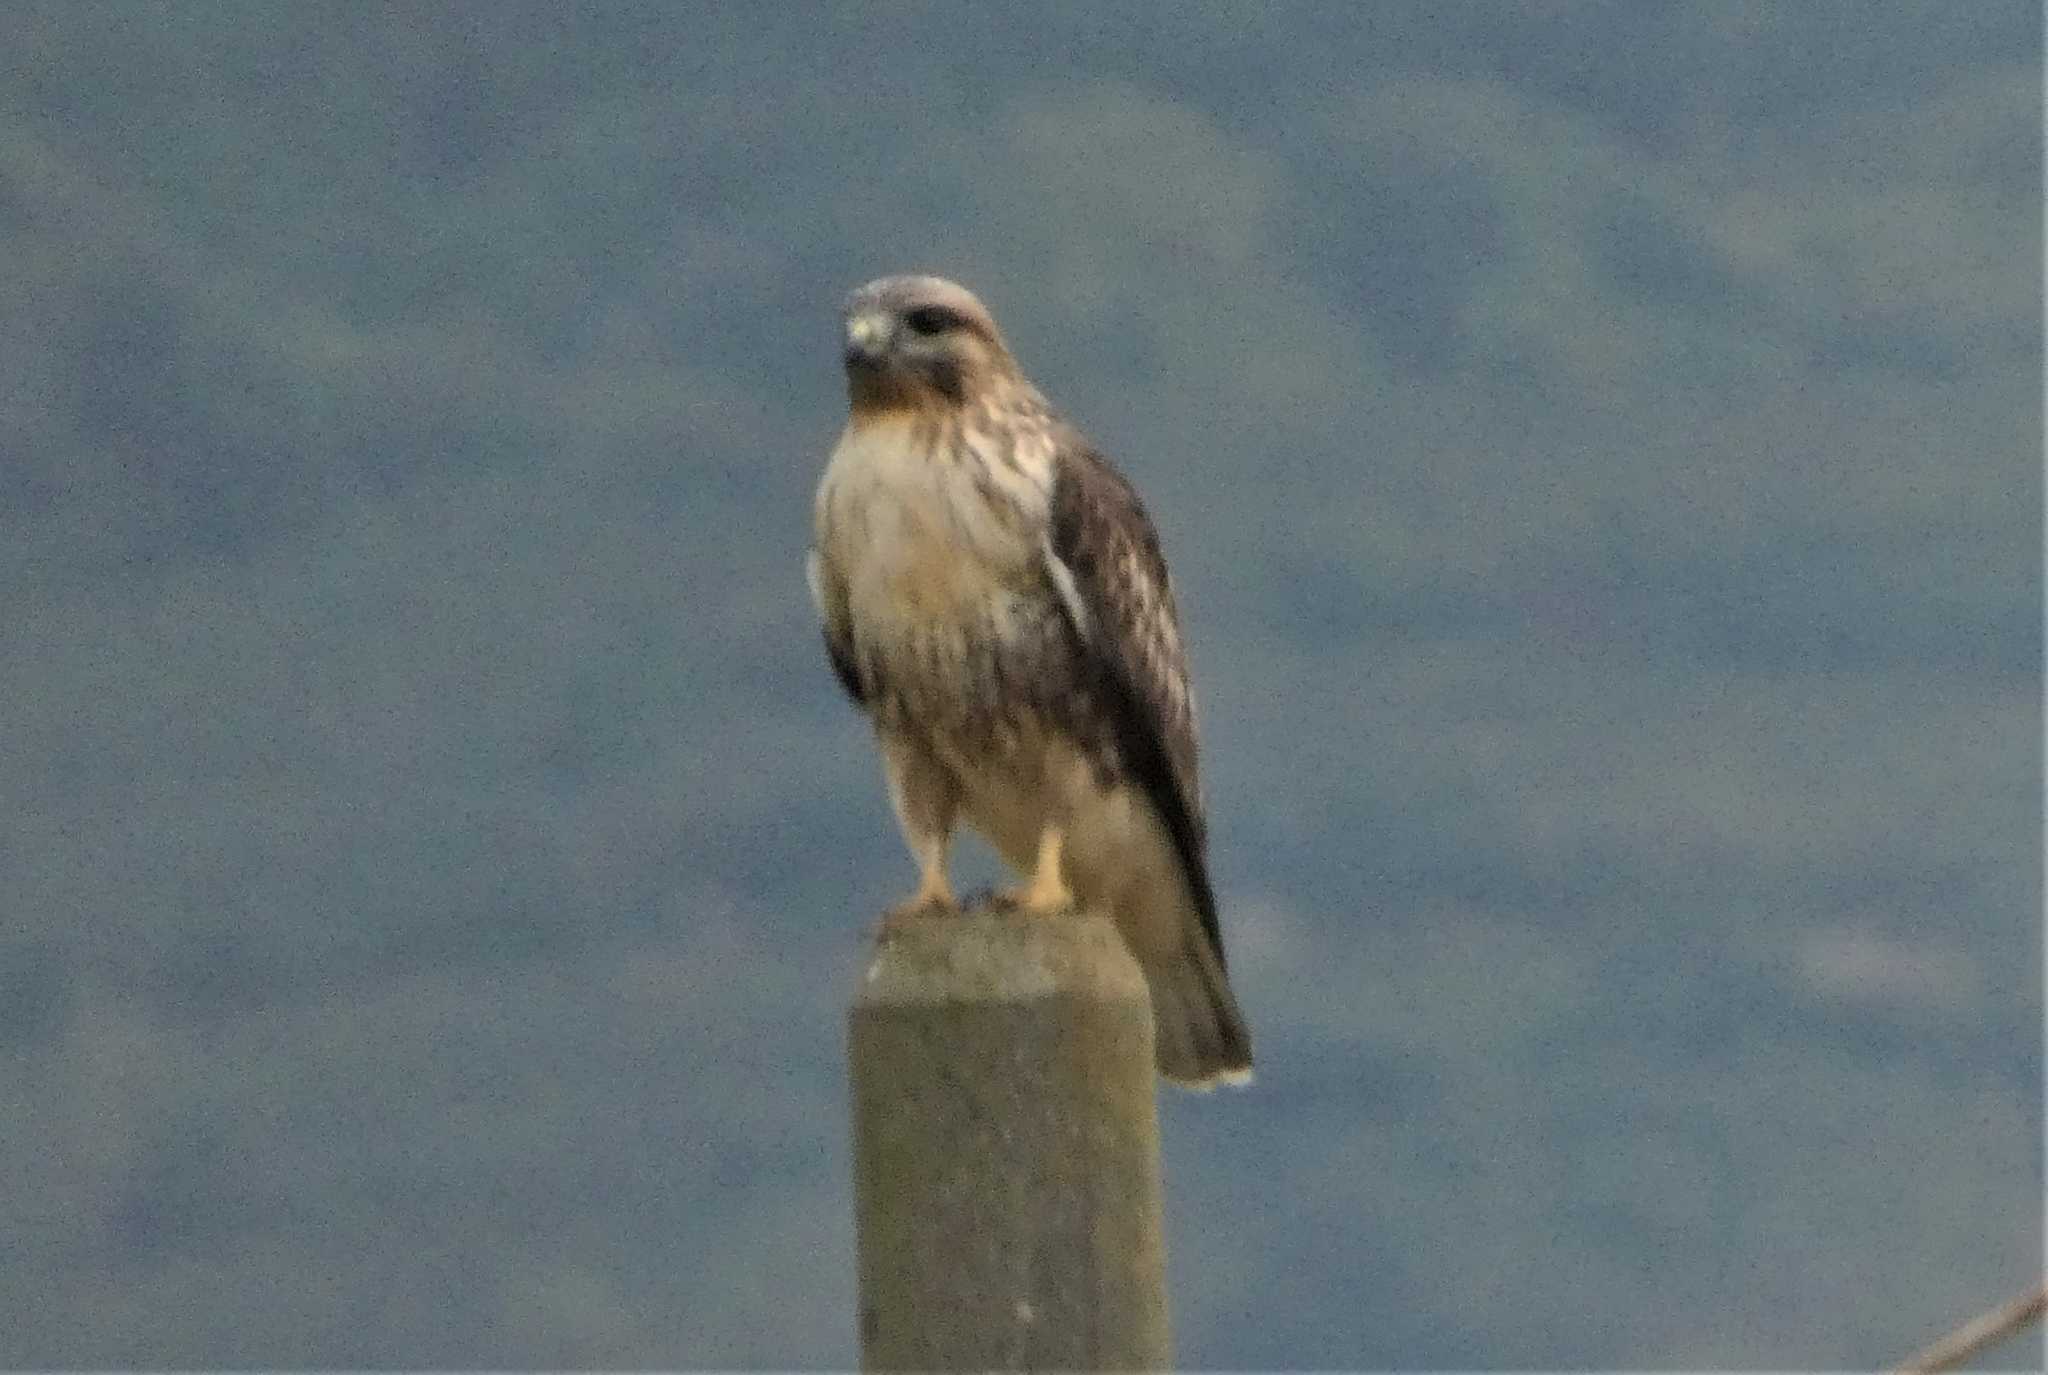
x=898, y=294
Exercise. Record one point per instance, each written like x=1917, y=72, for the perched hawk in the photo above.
x=994, y=598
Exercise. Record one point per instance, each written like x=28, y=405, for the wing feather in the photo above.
x=1104, y=561
x=833, y=614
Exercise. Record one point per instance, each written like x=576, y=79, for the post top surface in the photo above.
x=987, y=954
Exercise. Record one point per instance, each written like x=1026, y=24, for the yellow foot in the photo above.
x=1046, y=893
x=1035, y=898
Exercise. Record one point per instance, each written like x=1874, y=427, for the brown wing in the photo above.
x=1104, y=560
x=830, y=597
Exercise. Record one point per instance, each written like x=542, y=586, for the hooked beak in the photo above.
x=867, y=338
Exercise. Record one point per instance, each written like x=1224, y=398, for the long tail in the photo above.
x=1199, y=1036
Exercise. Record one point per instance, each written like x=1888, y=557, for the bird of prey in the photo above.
x=995, y=600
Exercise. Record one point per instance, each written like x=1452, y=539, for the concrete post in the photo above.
x=1006, y=1149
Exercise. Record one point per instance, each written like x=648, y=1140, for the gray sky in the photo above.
x=1599, y=449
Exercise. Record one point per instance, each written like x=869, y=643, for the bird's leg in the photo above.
x=926, y=797
x=934, y=895
x=1046, y=891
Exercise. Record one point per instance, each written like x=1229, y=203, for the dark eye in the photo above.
x=931, y=320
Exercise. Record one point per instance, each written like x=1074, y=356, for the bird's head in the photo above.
x=919, y=341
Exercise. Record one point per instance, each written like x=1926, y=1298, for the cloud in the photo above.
x=1861, y=968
